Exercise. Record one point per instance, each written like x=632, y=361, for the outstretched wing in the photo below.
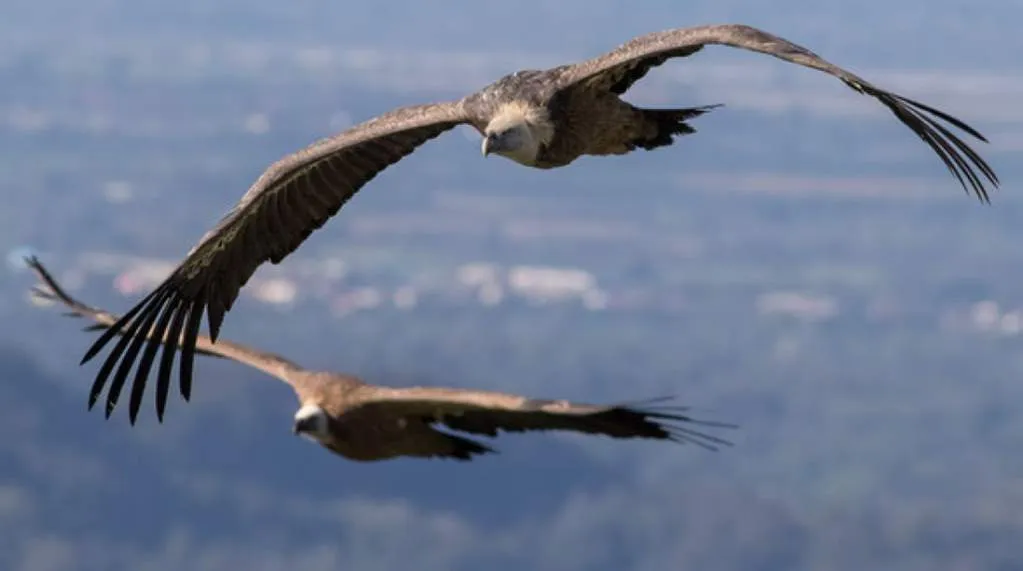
x=50, y=290
x=291, y=199
x=618, y=69
x=486, y=412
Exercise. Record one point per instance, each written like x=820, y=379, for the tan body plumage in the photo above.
x=539, y=118
x=365, y=422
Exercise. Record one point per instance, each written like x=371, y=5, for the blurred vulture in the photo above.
x=541, y=119
x=364, y=422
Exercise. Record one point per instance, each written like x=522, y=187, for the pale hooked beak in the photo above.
x=489, y=142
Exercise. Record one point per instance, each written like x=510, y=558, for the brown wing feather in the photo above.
x=487, y=413
x=618, y=69
x=291, y=199
x=50, y=290
x=270, y=363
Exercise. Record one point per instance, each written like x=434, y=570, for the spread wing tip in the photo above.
x=961, y=160
x=49, y=289
x=154, y=322
x=668, y=423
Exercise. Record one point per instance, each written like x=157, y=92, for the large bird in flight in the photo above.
x=541, y=119
x=365, y=422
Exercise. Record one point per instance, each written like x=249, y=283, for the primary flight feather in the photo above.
x=541, y=119
x=365, y=422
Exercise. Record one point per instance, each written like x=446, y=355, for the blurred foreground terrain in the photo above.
x=802, y=266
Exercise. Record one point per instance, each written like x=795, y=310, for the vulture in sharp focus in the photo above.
x=366, y=423
x=542, y=119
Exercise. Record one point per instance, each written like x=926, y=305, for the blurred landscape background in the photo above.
x=803, y=266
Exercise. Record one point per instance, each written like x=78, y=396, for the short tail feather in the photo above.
x=669, y=123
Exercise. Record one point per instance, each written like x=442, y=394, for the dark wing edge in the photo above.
x=291, y=199
x=618, y=69
x=487, y=413
x=645, y=421
x=458, y=448
x=51, y=291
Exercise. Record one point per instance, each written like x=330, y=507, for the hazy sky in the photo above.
x=955, y=52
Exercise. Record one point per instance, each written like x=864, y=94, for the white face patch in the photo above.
x=522, y=129
x=314, y=420
x=308, y=410
x=516, y=143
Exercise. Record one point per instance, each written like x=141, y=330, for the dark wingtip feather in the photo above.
x=137, y=334
x=167, y=359
x=148, y=356
x=684, y=435
x=136, y=327
x=32, y=261
x=102, y=340
x=40, y=292
x=108, y=366
x=118, y=325
x=923, y=121
x=662, y=423
x=214, y=321
x=958, y=123
x=188, y=346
